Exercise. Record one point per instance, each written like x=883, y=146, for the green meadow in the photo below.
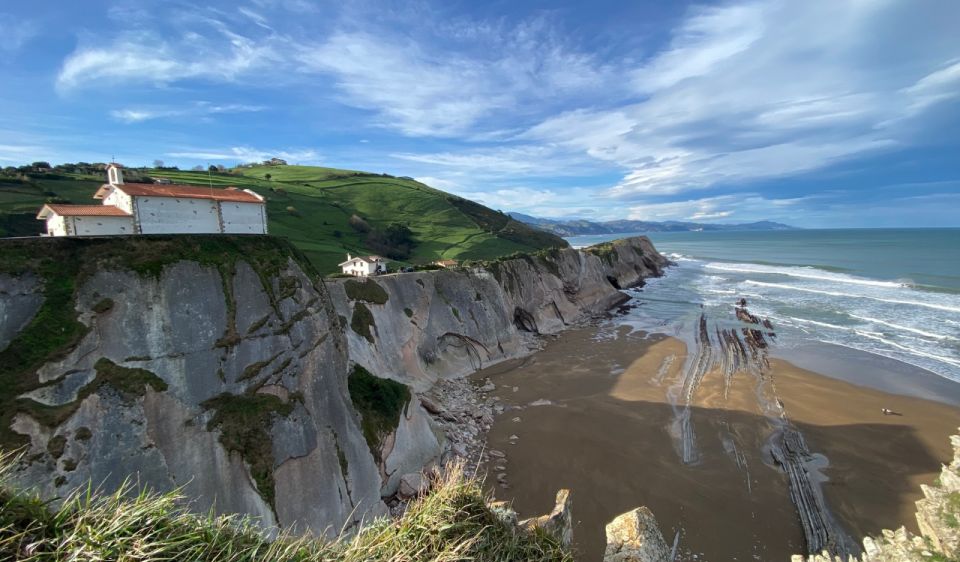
x=311, y=206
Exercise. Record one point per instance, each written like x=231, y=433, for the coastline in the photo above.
x=609, y=432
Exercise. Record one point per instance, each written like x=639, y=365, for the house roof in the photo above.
x=446, y=262
x=368, y=259
x=81, y=211
x=183, y=192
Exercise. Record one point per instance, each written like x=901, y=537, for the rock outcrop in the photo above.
x=938, y=515
x=224, y=366
x=559, y=522
x=635, y=537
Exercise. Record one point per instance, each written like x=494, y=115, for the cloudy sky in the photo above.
x=816, y=113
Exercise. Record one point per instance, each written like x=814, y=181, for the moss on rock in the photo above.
x=362, y=321
x=244, y=422
x=380, y=402
x=368, y=291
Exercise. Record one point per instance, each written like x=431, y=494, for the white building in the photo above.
x=361, y=266
x=145, y=208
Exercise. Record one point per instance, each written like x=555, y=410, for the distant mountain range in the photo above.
x=576, y=227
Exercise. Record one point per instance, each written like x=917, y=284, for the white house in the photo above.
x=146, y=208
x=361, y=266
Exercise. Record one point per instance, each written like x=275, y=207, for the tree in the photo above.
x=267, y=177
x=197, y=168
x=41, y=164
x=158, y=163
x=212, y=168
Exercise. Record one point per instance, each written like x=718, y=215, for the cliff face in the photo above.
x=223, y=366
x=444, y=324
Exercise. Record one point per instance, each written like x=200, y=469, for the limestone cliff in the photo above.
x=223, y=365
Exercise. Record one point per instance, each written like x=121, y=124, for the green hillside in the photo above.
x=311, y=206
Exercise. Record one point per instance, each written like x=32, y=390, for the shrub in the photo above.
x=357, y=223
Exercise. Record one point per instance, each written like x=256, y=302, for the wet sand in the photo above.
x=610, y=434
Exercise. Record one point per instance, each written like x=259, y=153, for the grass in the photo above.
x=380, y=403
x=445, y=227
x=451, y=524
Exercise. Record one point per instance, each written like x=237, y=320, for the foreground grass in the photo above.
x=452, y=523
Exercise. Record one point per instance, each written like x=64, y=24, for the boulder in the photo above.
x=558, y=522
x=635, y=537
x=412, y=485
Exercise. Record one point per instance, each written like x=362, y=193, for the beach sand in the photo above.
x=610, y=435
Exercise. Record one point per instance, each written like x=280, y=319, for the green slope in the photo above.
x=312, y=206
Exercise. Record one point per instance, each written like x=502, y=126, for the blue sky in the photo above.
x=816, y=113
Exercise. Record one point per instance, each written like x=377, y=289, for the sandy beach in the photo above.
x=613, y=432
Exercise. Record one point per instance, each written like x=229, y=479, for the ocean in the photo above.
x=890, y=292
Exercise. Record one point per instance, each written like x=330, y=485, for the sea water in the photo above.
x=891, y=292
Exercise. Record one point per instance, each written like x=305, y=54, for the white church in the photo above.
x=143, y=208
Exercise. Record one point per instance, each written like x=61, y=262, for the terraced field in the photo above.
x=312, y=206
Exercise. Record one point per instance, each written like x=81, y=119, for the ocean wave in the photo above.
x=805, y=273
x=853, y=295
x=876, y=336
x=904, y=328
x=913, y=350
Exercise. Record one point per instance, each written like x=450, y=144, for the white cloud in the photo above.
x=249, y=154
x=144, y=56
x=137, y=115
x=769, y=89
x=738, y=208
x=460, y=83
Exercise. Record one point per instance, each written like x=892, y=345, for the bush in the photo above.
x=357, y=223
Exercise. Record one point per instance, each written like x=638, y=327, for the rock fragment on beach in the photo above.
x=635, y=537
x=558, y=522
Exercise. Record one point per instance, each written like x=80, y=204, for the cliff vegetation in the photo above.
x=452, y=523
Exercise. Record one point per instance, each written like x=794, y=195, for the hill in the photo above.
x=576, y=227
x=326, y=212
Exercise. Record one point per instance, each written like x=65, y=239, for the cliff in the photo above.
x=223, y=365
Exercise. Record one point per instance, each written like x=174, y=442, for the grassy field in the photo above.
x=311, y=206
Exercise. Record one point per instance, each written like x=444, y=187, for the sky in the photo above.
x=816, y=113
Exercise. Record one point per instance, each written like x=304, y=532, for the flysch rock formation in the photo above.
x=938, y=516
x=232, y=382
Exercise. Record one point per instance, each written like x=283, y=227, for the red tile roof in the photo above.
x=188, y=192
x=86, y=210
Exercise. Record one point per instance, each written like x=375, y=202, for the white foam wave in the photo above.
x=853, y=295
x=802, y=273
x=877, y=337
x=904, y=328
